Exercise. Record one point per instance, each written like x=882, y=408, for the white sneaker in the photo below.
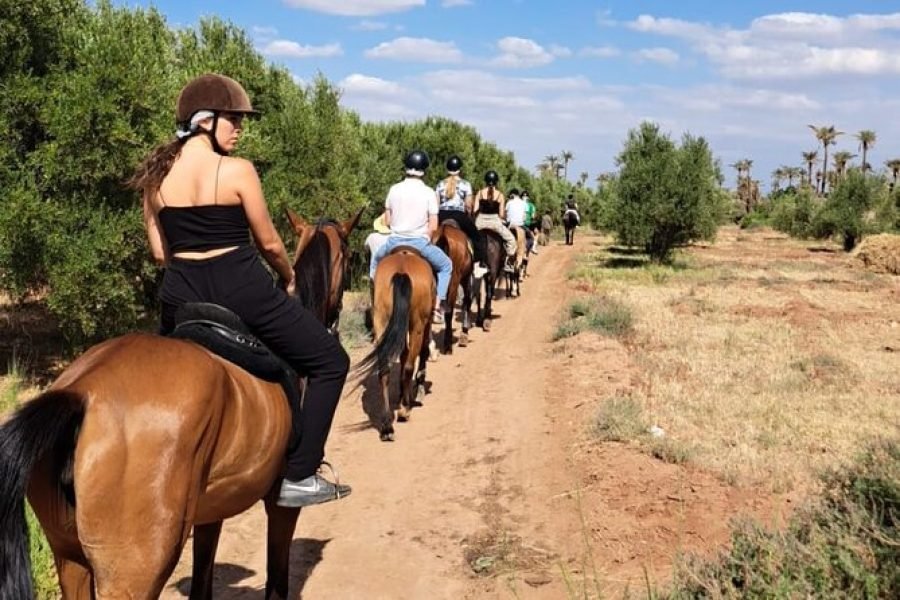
x=479, y=271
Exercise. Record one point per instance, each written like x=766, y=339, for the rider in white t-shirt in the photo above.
x=411, y=210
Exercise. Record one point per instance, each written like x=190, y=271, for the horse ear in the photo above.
x=297, y=222
x=348, y=225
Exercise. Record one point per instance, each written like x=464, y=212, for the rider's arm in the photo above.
x=502, y=202
x=433, y=216
x=475, y=203
x=154, y=234
x=264, y=234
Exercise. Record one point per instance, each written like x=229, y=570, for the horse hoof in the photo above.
x=463, y=341
x=387, y=436
x=402, y=418
x=487, y=325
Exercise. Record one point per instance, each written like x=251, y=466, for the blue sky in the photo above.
x=539, y=77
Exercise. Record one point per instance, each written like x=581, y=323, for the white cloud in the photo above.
x=792, y=45
x=368, y=25
x=516, y=52
x=664, y=56
x=560, y=51
x=261, y=31
x=356, y=8
x=416, y=50
x=599, y=51
x=455, y=3
x=294, y=50
x=372, y=86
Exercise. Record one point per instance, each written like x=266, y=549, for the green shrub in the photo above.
x=794, y=214
x=845, y=211
x=844, y=545
x=666, y=195
x=94, y=270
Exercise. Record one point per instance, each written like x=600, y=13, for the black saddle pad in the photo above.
x=224, y=333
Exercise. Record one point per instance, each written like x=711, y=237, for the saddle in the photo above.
x=224, y=334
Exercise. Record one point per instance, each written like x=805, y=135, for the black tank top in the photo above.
x=201, y=228
x=489, y=207
x=204, y=227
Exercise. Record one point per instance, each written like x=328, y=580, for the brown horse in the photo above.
x=403, y=298
x=139, y=439
x=455, y=244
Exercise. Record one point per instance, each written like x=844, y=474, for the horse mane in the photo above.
x=313, y=272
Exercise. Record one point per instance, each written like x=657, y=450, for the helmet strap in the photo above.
x=211, y=133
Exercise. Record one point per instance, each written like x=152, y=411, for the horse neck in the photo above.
x=314, y=271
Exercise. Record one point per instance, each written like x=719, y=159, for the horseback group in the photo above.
x=431, y=230
x=145, y=439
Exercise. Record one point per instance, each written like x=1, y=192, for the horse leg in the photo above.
x=466, y=309
x=406, y=375
x=488, y=301
x=75, y=580
x=206, y=540
x=282, y=522
x=479, y=314
x=386, y=429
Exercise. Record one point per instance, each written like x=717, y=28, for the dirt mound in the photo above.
x=879, y=253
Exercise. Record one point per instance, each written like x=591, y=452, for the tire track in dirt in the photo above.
x=476, y=474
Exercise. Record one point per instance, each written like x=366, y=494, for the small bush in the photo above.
x=602, y=314
x=845, y=545
x=619, y=419
x=844, y=213
x=794, y=214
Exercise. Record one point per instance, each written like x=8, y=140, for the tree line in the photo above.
x=87, y=89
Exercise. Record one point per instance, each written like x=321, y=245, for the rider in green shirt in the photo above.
x=529, y=221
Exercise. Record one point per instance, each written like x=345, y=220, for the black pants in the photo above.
x=239, y=281
x=468, y=226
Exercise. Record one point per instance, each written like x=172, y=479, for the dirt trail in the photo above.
x=494, y=471
x=477, y=458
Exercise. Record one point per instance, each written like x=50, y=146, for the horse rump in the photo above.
x=393, y=339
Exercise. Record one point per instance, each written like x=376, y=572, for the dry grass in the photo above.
x=768, y=358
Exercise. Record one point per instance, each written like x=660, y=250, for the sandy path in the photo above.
x=475, y=473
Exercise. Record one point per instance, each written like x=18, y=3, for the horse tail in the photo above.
x=47, y=423
x=393, y=340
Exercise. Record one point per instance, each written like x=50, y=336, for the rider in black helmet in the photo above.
x=411, y=211
x=490, y=208
x=455, y=198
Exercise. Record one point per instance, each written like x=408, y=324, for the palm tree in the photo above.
x=552, y=163
x=866, y=139
x=794, y=173
x=810, y=158
x=894, y=166
x=582, y=178
x=778, y=175
x=826, y=135
x=566, y=156
x=840, y=162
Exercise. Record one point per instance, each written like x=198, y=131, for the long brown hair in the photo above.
x=150, y=173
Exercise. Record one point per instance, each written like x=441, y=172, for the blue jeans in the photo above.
x=440, y=262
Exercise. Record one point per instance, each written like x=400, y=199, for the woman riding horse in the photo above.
x=455, y=203
x=143, y=437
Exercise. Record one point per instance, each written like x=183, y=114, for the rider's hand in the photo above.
x=289, y=286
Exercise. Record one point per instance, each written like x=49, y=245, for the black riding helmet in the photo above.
x=416, y=160
x=491, y=178
x=454, y=163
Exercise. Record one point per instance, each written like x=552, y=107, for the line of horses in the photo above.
x=144, y=438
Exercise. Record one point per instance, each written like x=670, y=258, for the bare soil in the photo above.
x=495, y=488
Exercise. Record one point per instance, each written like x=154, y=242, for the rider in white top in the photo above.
x=516, y=209
x=411, y=210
